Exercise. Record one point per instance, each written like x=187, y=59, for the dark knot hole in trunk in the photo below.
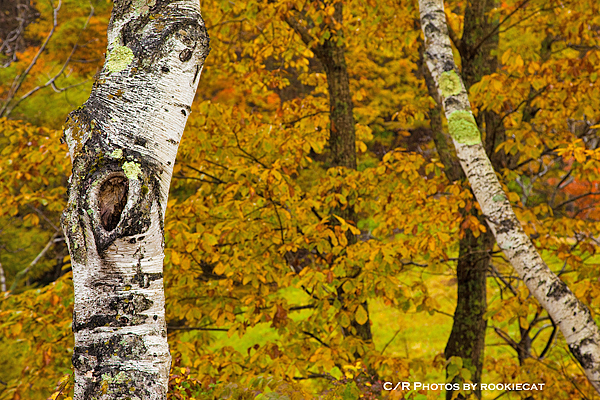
x=111, y=201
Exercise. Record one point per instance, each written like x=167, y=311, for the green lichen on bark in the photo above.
x=499, y=197
x=77, y=133
x=118, y=153
x=450, y=84
x=143, y=6
x=132, y=170
x=119, y=58
x=463, y=128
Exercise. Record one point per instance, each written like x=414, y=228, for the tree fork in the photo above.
x=570, y=314
x=123, y=142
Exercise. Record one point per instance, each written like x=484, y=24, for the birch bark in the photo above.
x=570, y=314
x=123, y=142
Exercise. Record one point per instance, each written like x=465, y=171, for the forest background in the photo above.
x=294, y=267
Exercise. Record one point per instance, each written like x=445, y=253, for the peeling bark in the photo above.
x=570, y=314
x=123, y=142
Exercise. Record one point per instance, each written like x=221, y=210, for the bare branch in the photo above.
x=52, y=81
x=576, y=198
x=497, y=27
x=550, y=340
x=504, y=336
x=24, y=272
x=19, y=79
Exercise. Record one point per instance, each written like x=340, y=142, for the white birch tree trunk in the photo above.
x=565, y=309
x=123, y=142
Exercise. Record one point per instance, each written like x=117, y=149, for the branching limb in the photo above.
x=19, y=79
x=52, y=81
x=550, y=340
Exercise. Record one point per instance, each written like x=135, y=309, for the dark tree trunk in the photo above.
x=342, y=135
x=467, y=338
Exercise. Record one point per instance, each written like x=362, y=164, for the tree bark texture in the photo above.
x=342, y=136
x=571, y=315
x=467, y=337
x=123, y=142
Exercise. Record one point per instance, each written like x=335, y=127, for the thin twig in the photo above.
x=316, y=338
x=250, y=156
x=504, y=336
x=41, y=214
x=497, y=27
x=390, y=341
x=195, y=328
x=52, y=80
x=550, y=340
x=19, y=79
x=204, y=173
x=576, y=198
x=24, y=272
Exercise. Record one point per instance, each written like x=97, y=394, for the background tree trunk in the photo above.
x=342, y=132
x=570, y=314
x=467, y=338
x=123, y=142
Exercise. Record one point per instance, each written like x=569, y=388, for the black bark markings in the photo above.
x=558, y=290
x=185, y=55
x=140, y=141
x=504, y=226
x=124, y=310
x=196, y=73
x=93, y=357
x=585, y=359
x=144, y=279
x=91, y=167
x=149, y=47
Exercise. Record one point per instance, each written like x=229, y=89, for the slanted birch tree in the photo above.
x=565, y=309
x=123, y=142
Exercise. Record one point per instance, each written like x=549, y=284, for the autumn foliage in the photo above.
x=265, y=282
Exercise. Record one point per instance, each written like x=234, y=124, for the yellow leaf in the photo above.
x=361, y=315
x=362, y=147
x=175, y=258
x=518, y=61
x=344, y=320
x=506, y=56
x=219, y=269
